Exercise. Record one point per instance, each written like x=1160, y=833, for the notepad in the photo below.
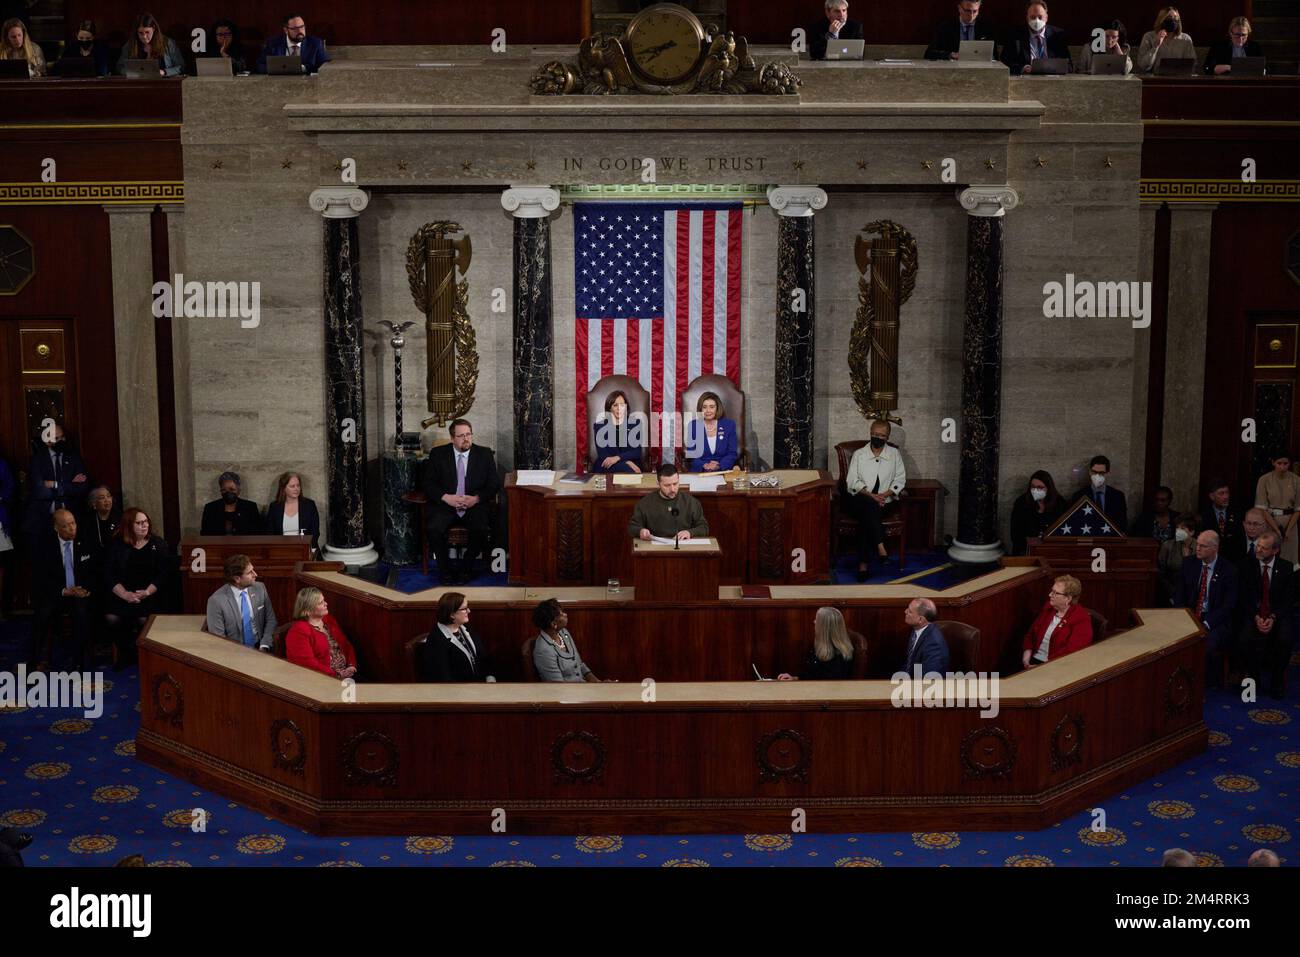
x=627, y=480
x=704, y=483
x=535, y=477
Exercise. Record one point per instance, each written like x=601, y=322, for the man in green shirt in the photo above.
x=668, y=513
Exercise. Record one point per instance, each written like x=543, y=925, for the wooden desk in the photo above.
x=667, y=573
x=1129, y=580
x=274, y=558
x=577, y=535
x=716, y=757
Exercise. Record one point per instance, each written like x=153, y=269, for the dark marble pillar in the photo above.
x=977, y=537
x=534, y=360
x=345, y=409
x=792, y=440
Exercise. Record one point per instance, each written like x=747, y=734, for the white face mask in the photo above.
x=1037, y=24
x=1182, y=535
x=1038, y=494
x=1098, y=480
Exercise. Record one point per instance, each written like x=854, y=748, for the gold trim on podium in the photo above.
x=108, y=193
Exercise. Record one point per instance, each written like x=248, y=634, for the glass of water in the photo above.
x=613, y=587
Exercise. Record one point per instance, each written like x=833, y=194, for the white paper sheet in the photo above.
x=703, y=483
x=535, y=477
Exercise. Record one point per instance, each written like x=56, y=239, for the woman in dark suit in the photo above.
x=1034, y=512
x=1218, y=59
x=450, y=654
x=615, y=449
x=292, y=513
x=1061, y=627
x=138, y=566
x=87, y=45
x=711, y=444
x=316, y=641
x=831, y=657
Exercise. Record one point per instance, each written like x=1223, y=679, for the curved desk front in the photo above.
x=691, y=757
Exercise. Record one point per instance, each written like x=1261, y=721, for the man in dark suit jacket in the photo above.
x=1218, y=59
x=1264, y=639
x=836, y=25
x=1221, y=516
x=950, y=33
x=58, y=480
x=925, y=644
x=63, y=577
x=230, y=514
x=460, y=482
x=1034, y=40
x=1207, y=586
x=295, y=42
x=1110, y=500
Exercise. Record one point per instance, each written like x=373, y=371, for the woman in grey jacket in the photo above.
x=555, y=656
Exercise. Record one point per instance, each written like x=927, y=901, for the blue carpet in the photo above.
x=76, y=786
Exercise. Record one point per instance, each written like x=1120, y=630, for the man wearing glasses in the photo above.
x=295, y=42
x=460, y=482
x=1238, y=44
x=950, y=33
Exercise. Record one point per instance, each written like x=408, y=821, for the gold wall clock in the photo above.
x=665, y=43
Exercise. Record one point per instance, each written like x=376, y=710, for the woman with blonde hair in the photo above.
x=19, y=46
x=1063, y=626
x=831, y=658
x=316, y=641
x=1164, y=41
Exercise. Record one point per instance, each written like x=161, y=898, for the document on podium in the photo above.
x=659, y=540
x=535, y=477
x=704, y=483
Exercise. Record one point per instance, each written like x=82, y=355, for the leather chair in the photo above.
x=457, y=537
x=859, y=654
x=733, y=407
x=638, y=403
x=1100, y=626
x=526, y=659
x=963, y=644
x=894, y=519
x=410, y=650
x=277, y=639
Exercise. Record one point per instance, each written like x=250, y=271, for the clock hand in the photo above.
x=653, y=52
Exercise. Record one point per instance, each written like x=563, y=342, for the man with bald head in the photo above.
x=926, y=648
x=1207, y=587
x=62, y=581
x=1264, y=641
x=1263, y=858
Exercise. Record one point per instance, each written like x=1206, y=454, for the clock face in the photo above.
x=664, y=43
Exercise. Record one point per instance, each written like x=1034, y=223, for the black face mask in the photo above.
x=87, y=46
x=877, y=443
x=1170, y=25
x=229, y=497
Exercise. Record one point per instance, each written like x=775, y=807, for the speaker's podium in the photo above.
x=688, y=572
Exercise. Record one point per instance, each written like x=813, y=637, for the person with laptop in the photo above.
x=1238, y=45
x=19, y=46
x=295, y=42
x=836, y=26
x=1115, y=44
x=225, y=37
x=948, y=36
x=87, y=46
x=148, y=43
x=1165, y=41
x=1036, y=41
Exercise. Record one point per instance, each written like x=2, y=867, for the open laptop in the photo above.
x=1051, y=66
x=284, y=66
x=1248, y=66
x=213, y=66
x=1108, y=64
x=845, y=49
x=13, y=70
x=79, y=66
x=1175, y=66
x=142, y=69
x=975, y=51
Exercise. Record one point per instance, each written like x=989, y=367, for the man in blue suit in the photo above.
x=295, y=42
x=1207, y=587
x=925, y=644
x=1106, y=497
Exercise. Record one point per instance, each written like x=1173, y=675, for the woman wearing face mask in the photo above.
x=1114, y=41
x=1034, y=512
x=17, y=45
x=1165, y=41
x=86, y=46
x=1169, y=561
x=1278, y=492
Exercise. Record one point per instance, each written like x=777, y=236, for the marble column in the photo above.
x=534, y=360
x=981, y=386
x=792, y=439
x=345, y=409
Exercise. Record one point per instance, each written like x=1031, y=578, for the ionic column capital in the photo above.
x=988, y=200
x=339, y=202
x=796, y=200
x=531, y=202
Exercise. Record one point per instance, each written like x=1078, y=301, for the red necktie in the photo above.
x=1263, y=598
x=1200, y=595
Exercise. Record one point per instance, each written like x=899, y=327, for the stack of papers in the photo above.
x=627, y=479
x=535, y=477
x=704, y=483
x=657, y=540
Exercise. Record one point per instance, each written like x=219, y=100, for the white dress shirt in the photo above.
x=1046, y=644
x=865, y=468
x=290, y=524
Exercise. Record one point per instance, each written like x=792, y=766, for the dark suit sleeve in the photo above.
x=261, y=57
x=941, y=47
x=1221, y=617
x=115, y=568
x=252, y=519
x=432, y=659
x=934, y=654
x=163, y=563
x=1181, y=600
x=1060, y=49
x=309, y=518
x=431, y=481
x=491, y=480
x=211, y=523
x=817, y=40
x=321, y=57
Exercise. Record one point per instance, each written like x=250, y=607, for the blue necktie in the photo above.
x=968, y=32
x=69, y=579
x=248, y=619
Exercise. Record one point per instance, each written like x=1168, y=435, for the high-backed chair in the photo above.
x=410, y=652
x=526, y=659
x=1100, y=626
x=638, y=403
x=846, y=523
x=733, y=408
x=859, y=654
x=277, y=639
x=963, y=644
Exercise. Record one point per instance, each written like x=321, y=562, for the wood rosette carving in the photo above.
x=1179, y=692
x=288, y=747
x=169, y=700
x=888, y=264
x=771, y=553
x=370, y=757
x=988, y=753
x=784, y=755
x=578, y=757
x=1067, y=741
x=570, y=561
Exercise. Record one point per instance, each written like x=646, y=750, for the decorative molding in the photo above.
x=771, y=554
x=288, y=747
x=1067, y=741
x=1179, y=692
x=339, y=202
x=578, y=757
x=1218, y=190
x=531, y=202
x=988, y=200
x=748, y=192
x=988, y=752
x=784, y=754
x=569, y=553
x=796, y=200
x=169, y=700
x=91, y=193
x=370, y=757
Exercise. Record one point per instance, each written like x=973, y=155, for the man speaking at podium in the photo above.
x=668, y=513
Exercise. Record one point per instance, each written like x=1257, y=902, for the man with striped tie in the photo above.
x=240, y=610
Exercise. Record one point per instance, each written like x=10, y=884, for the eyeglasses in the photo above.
x=1239, y=36
x=1058, y=594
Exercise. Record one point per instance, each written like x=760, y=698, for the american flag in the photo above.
x=1084, y=520
x=658, y=298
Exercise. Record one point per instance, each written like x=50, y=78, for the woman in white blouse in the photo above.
x=292, y=513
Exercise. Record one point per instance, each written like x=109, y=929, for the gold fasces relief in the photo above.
x=433, y=260
x=888, y=263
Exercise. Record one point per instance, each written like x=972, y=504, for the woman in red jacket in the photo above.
x=1061, y=627
x=315, y=639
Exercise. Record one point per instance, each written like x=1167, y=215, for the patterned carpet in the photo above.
x=76, y=786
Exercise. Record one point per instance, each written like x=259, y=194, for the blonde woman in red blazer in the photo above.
x=315, y=639
x=1068, y=622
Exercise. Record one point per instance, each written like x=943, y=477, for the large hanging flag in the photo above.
x=657, y=295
